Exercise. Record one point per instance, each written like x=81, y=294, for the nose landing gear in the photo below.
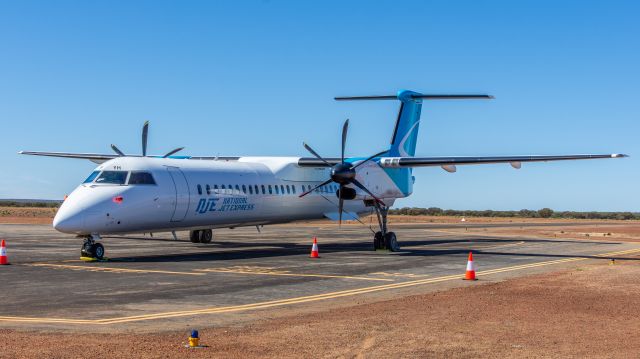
x=91, y=248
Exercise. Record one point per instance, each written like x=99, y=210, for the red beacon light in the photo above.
x=118, y=199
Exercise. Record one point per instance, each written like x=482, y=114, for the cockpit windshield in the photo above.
x=113, y=177
x=91, y=177
x=138, y=177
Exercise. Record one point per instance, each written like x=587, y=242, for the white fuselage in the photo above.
x=204, y=194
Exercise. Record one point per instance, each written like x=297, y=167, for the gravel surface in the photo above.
x=589, y=311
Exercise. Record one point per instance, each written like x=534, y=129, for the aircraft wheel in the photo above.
x=391, y=242
x=98, y=250
x=206, y=236
x=194, y=236
x=87, y=250
x=378, y=241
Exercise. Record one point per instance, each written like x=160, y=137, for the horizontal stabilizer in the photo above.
x=416, y=96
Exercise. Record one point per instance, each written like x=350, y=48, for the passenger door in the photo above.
x=181, y=204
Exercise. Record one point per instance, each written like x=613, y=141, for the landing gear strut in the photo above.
x=383, y=239
x=201, y=236
x=91, y=248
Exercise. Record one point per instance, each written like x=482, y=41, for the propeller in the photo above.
x=145, y=136
x=343, y=173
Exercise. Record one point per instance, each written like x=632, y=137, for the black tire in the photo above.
x=378, y=240
x=98, y=250
x=391, y=242
x=194, y=236
x=87, y=250
x=206, y=236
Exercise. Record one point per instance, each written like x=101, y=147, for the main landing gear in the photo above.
x=383, y=239
x=201, y=236
x=91, y=248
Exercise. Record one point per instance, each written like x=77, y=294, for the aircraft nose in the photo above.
x=67, y=222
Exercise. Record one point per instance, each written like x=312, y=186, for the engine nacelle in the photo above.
x=346, y=193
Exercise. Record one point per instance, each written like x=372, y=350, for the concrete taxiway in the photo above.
x=159, y=283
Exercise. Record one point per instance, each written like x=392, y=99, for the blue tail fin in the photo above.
x=405, y=134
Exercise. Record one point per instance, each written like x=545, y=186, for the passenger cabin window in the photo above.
x=293, y=188
x=244, y=189
x=256, y=188
x=91, y=177
x=113, y=177
x=277, y=191
x=141, y=178
x=270, y=190
x=199, y=190
x=208, y=188
x=250, y=189
x=282, y=189
x=237, y=189
x=263, y=191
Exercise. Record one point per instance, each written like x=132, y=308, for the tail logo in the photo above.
x=401, y=149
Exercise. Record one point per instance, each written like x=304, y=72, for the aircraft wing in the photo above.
x=100, y=158
x=449, y=163
x=93, y=157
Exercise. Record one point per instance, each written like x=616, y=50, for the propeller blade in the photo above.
x=316, y=187
x=362, y=187
x=370, y=158
x=345, y=128
x=145, y=133
x=315, y=154
x=117, y=150
x=340, y=206
x=172, y=152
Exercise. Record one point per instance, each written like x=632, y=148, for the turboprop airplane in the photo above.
x=146, y=194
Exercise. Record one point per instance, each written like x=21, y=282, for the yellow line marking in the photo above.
x=298, y=300
x=400, y=274
x=264, y=271
x=109, y=269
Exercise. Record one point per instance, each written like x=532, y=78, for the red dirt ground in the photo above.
x=589, y=311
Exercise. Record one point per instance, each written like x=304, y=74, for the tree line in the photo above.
x=523, y=213
x=39, y=204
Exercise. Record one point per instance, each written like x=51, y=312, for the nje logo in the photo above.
x=228, y=204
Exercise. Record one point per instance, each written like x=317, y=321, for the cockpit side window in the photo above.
x=91, y=177
x=141, y=178
x=112, y=177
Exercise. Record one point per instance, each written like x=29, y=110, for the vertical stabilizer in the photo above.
x=405, y=134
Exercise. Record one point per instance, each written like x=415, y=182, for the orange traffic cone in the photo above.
x=471, y=270
x=314, y=249
x=3, y=253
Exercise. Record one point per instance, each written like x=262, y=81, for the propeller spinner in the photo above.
x=343, y=173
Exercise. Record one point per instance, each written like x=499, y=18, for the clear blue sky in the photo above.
x=258, y=78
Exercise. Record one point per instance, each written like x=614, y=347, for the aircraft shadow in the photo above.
x=247, y=250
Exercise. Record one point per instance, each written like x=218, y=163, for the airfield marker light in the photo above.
x=118, y=199
x=194, y=340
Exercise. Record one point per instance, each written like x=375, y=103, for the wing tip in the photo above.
x=619, y=155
